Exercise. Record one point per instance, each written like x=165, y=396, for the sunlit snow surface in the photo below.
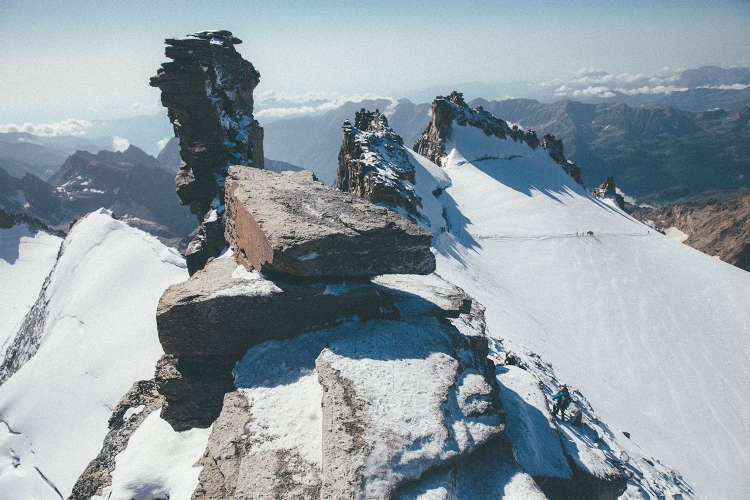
x=157, y=463
x=99, y=338
x=26, y=258
x=654, y=333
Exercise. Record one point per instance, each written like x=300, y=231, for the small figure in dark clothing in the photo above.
x=562, y=400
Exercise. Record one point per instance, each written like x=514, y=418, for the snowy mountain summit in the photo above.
x=326, y=347
x=453, y=109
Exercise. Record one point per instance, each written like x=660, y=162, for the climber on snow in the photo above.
x=562, y=400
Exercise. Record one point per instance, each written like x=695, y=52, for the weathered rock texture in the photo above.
x=373, y=165
x=207, y=323
x=453, y=108
x=400, y=397
x=208, y=90
x=719, y=229
x=294, y=226
x=607, y=190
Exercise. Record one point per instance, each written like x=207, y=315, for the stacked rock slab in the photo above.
x=394, y=398
x=293, y=226
x=373, y=165
x=208, y=91
x=453, y=108
x=296, y=237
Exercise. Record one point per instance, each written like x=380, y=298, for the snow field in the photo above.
x=157, y=463
x=26, y=258
x=99, y=338
x=653, y=332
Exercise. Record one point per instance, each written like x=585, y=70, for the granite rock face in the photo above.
x=373, y=165
x=607, y=190
x=294, y=226
x=208, y=90
x=453, y=109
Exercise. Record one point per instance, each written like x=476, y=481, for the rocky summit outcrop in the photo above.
x=208, y=90
x=373, y=165
x=608, y=190
x=453, y=108
x=360, y=408
x=207, y=323
x=293, y=226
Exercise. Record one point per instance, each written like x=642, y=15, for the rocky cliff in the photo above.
x=453, y=108
x=208, y=91
x=374, y=165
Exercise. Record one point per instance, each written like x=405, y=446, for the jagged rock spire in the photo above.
x=373, y=165
x=208, y=91
x=608, y=190
x=446, y=110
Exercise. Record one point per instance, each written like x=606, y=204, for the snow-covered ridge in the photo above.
x=453, y=109
x=633, y=319
x=97, y=337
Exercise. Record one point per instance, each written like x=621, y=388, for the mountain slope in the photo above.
x=717, y=229
x=645, y=149
x=655, y=333
x=27, y=254
x=93, y=338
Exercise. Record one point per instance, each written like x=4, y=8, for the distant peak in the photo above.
x=453, y=109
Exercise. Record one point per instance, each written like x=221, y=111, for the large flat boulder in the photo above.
x=290, y=224
x=208, y=322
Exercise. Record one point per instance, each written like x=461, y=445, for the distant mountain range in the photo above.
x=651, y=133
x=134, y=185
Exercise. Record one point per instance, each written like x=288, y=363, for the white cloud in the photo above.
x=120, y=144
x=736, y=86
x=283, y=105
x=70, y=126
x=160, y=144
x=594, y=92
x=659, y=89
x=562, y=90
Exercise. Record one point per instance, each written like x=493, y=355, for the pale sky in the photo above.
x=90, y=59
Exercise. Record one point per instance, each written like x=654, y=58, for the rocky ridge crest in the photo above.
x=453, y=108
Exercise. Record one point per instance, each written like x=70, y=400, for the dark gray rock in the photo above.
x=373, y=165
x=291, y=225
x=208, y=90
x=608, y=190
